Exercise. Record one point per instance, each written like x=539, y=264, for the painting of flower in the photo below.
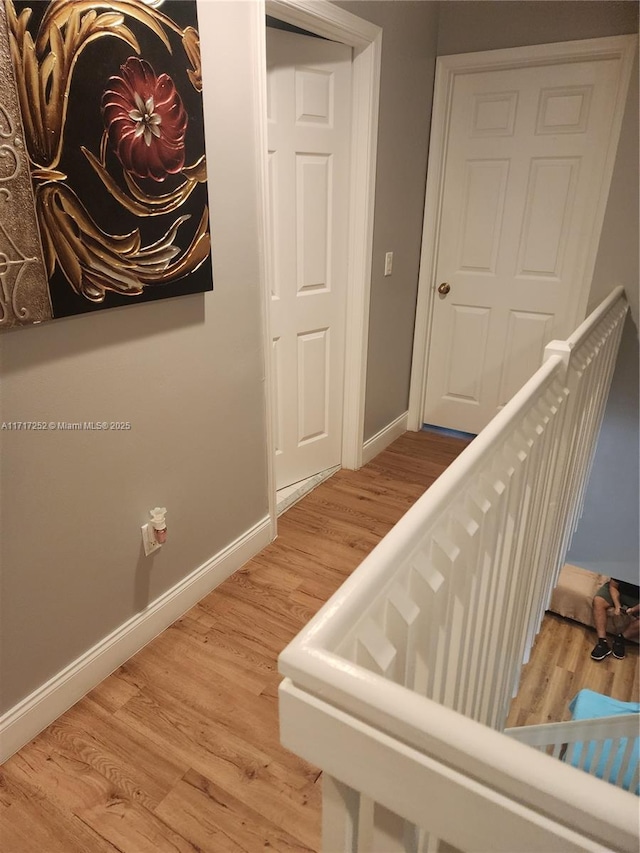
x=110, y=96
x=145, y=120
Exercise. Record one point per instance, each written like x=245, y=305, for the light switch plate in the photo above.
x=388, y=263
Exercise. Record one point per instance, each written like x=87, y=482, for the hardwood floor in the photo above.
x=560, y=666
x=179, y=750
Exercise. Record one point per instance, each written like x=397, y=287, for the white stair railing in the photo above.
x=606, y=747
x=398, y=685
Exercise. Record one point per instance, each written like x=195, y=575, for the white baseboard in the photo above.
x=377, y=443
x=34, y=713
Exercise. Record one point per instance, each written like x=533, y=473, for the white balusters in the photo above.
x=597, y=746
x=340, y=806
x=401, y=619
x=374, y=651
x=439, y=618
x=428, y=590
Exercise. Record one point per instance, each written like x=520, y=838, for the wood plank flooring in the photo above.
x=561, y=665
x=179, y=749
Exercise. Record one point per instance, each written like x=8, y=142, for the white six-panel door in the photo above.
x=523, y=173
x=308, y=111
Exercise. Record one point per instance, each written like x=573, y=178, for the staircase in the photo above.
x=399, y=688
x=606, y=747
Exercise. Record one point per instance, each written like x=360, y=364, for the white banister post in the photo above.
x=560, y=348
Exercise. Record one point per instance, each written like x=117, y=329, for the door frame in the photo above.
x=325, y=19
x=447, y=68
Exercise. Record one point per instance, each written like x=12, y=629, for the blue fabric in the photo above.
x=589, y=705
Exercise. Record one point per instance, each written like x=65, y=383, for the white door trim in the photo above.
x=325, y=19
x=447, y=67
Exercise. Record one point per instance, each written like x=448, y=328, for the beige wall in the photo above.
x=187, y=373
x=493, y=24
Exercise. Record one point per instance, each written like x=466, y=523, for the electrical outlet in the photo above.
x=149, y=539
x=388, y=263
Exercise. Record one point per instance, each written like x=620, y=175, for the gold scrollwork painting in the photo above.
x=103, y=193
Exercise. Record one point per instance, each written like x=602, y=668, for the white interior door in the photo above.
x=308, y=111
x=523, y=174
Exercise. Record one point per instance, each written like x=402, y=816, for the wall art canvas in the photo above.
x=103, y=192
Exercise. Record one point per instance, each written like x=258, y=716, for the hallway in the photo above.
x=179, y=750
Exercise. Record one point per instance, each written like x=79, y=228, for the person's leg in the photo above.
x=601, y=603
x=600, y=607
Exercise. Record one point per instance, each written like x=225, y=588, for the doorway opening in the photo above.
x=327, y=21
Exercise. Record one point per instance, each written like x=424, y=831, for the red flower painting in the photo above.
x=146, y=121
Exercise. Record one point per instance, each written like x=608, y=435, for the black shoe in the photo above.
x=601, y=650
x=618, y=646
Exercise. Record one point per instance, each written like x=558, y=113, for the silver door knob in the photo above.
x=444, y=288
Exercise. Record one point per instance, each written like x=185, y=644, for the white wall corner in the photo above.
x=38, y=710
x=266, y=267
x=381, y=440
